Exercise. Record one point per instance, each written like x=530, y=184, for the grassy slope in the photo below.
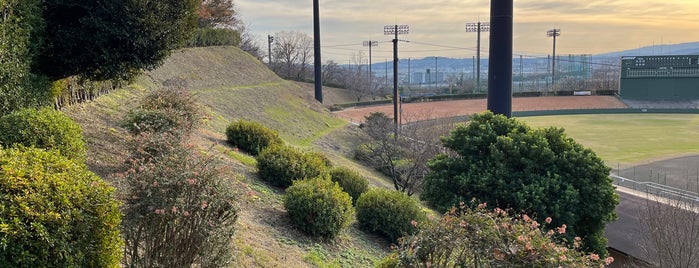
x=231, y=84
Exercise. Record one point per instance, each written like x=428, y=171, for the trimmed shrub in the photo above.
x=251, y=136
x=54, y=212
x=391, y=213
x=165, y=110
x=350, y=181
x=45, y=128
x=179, y=208
x=319, y=207
x=206, y=37
x=280, y=165
x=139, y=121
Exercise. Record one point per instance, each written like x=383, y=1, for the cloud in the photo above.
x=589, y=26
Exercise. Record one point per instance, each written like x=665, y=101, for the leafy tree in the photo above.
x=505, y=163
x=20, y=30
x=217, y=13
x=106, y=39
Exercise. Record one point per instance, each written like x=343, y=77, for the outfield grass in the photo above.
x=629, y=138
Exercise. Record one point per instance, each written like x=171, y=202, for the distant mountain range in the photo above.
x=676, y=49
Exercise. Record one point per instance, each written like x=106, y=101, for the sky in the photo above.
x=437, y=27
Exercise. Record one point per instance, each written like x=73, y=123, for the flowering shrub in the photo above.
x=490, y=238
x=172, y=111
x=55, y=213
x=350, y=181
x=251, y=136
x=179, y=208
x=391, y=213
x=45, y=128
x=177, y=101
x=319, y=207
x=281, y=164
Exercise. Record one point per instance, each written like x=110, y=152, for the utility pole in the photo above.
x=500, y=67
x=553, y=33
x=395, y=30
x=270, y=40
x=478, y=27
x=370, y=44
x=316, y=53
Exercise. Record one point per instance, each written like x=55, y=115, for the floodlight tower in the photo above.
x=370, y=44
x=395, y=30
x=553, y=33
x=478, y=27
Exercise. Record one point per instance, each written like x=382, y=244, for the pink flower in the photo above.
x=413, y=223
x=535, y=224
x=526, y=218
x=521, y=238
x=548, y=220
x=594, y=257
x=174, y=210
x=482, y=205
x=186, y=213
x=562, y=229
x=204, y=204
x=463, y=224
x=191, y=181
x=608, y=260
x=159, y=211
x=549, y=233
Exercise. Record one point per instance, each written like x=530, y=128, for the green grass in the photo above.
x=629, y=138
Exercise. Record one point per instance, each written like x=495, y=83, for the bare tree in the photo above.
x=291, y=49
x=403, y=158
x=672, y=238
x=248, y=43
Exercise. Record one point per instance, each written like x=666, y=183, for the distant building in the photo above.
x=660, y=78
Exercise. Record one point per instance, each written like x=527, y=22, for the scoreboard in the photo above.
x=664, y=77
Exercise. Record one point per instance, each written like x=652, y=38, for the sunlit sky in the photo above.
x=587, y=26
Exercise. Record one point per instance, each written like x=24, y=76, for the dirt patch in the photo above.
x=432, y=110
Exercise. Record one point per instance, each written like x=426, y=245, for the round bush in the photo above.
x=176, y=100
x=55, y=213
x=350, y=181
x=391, y=213
x=319, y=207
x=173, y=111
x=160, y=121
x=46, y=129
x=280, y=165
x=251, y=136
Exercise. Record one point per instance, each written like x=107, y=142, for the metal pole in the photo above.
x=270, y=39
x=316, y=53
x=396, y=96
x=478, y=58
x=500, y=67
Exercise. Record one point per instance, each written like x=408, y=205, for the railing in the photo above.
x=656, y=189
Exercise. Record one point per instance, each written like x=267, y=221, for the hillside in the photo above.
x=229, y=85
